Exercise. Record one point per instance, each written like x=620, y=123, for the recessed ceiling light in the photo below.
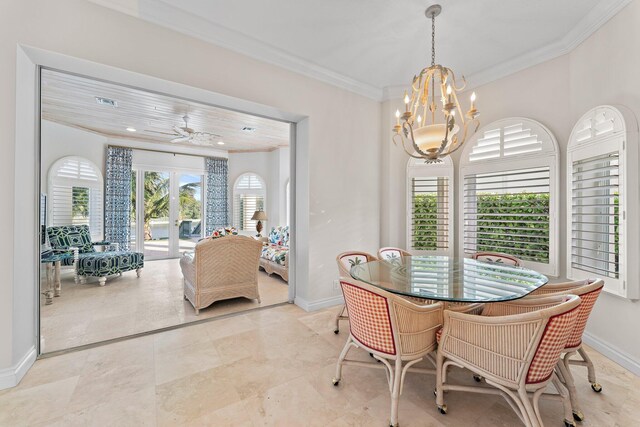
x=130, y=129
x=248, y=129
x=220, y=143
x=106, y=101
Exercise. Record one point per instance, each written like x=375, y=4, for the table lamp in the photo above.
x=259, y=216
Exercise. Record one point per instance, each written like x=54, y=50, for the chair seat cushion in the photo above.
x=275, y=253
x=100, y=264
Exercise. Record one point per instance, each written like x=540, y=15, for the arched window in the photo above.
x=602, y=190
x=429, y=202
x=249, y=195
x=76, y=194
x=509, y=191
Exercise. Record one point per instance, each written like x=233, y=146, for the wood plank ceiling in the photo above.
x=71, y=100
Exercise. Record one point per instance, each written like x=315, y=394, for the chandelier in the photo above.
x=433, y=122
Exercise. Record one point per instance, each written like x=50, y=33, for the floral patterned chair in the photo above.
x=87, y=261
x=275, y=252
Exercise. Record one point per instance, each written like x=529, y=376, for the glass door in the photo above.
x=169, y=211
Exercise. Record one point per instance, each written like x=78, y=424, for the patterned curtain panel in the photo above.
x=117, y=204
x=217, y=209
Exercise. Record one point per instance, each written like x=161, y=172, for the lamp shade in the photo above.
x=259, y=216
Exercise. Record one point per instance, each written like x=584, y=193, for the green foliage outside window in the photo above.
x=79, y=204
x=425, y=225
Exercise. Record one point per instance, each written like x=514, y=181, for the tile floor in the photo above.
x=126, y=305
x=266, y=367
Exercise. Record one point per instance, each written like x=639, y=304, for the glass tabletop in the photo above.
x=450, y=279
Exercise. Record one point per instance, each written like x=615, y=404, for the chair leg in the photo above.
x=567, y=399
x=343, y=355
x=338, y=317
x=591, y=370
x=138, y=272
x=440, y=374
x=102, y=281
x=395, y=393
x=531, y=417
x=568, y=382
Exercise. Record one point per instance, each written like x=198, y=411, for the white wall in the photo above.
x=602, y=70
x=343, y=197
x=273, y=168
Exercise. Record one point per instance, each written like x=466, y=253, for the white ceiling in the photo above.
x=368, y=45
x=71, y=100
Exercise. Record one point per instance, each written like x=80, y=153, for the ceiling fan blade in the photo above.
x=208, y=135
x=181, y=139
x=180, y=131
x=162, y=133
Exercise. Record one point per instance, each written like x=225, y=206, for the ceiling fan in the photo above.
x=187, y=134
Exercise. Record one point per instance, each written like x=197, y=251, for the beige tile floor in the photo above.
x=126, y=305
x=266, y=367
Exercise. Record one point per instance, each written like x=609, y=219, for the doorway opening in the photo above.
x=114, y=244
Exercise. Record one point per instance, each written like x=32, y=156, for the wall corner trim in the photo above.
x=612, y=352
x=319, y=304
x=10, y=377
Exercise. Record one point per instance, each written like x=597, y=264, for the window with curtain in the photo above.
x=598, y=197
x=429, y=197
x=508, y=179
x=76, y=195
x=249, y=195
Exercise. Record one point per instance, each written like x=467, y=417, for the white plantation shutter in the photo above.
x=603, y=223
x=249, y=194
x=508, y=212
x=508, y=180
x=429, y=199
x=76, y=195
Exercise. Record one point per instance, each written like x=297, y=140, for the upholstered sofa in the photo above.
x=275, y=252
x=221, y=268
x=87, y=261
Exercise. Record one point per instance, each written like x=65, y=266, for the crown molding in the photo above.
x=588, y=25
x=168, y=16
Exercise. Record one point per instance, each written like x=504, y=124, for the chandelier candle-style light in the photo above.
x=430, y=122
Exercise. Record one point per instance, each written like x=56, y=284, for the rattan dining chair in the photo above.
x=392, y=254
x=393, y=330
x=588, y=291
x=498, y=257
x=516, y=354
x=346, y=260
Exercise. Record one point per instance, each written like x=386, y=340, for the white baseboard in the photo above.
x=612, y=352
x=319, y=304
x=10, y=377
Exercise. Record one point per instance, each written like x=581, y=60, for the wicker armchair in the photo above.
x=516, y=354
x=498, y=258
x=346, y=260
x=588, y=291
x=393, y=330
x=222, y=268
x=392, y=254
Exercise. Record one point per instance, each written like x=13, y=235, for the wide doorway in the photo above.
x=133, y=185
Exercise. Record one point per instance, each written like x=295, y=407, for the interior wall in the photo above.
x=339, y=127
x=602, y=70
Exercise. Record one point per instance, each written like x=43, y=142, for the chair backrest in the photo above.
x=588, y=291
x=346, y=260
x=560, y=323
x=279, y=236
x=226, y=261
x=66, y=236
x=498, y=258
x=392, y=254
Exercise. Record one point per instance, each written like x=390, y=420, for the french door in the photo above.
x=168, y=212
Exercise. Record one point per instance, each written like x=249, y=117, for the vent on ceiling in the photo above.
x=248, y=129
x=106, y=101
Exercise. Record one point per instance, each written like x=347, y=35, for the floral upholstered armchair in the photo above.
x=275, y=252
x=87, y=261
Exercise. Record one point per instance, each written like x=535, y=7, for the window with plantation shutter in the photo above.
x=249, y=194
x=76, y=195
x=508, y=190
x=599, y=196
x=428, y=210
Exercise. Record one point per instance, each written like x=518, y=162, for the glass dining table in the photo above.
x=446, y=278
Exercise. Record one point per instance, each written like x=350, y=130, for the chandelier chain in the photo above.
x=433, y=39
